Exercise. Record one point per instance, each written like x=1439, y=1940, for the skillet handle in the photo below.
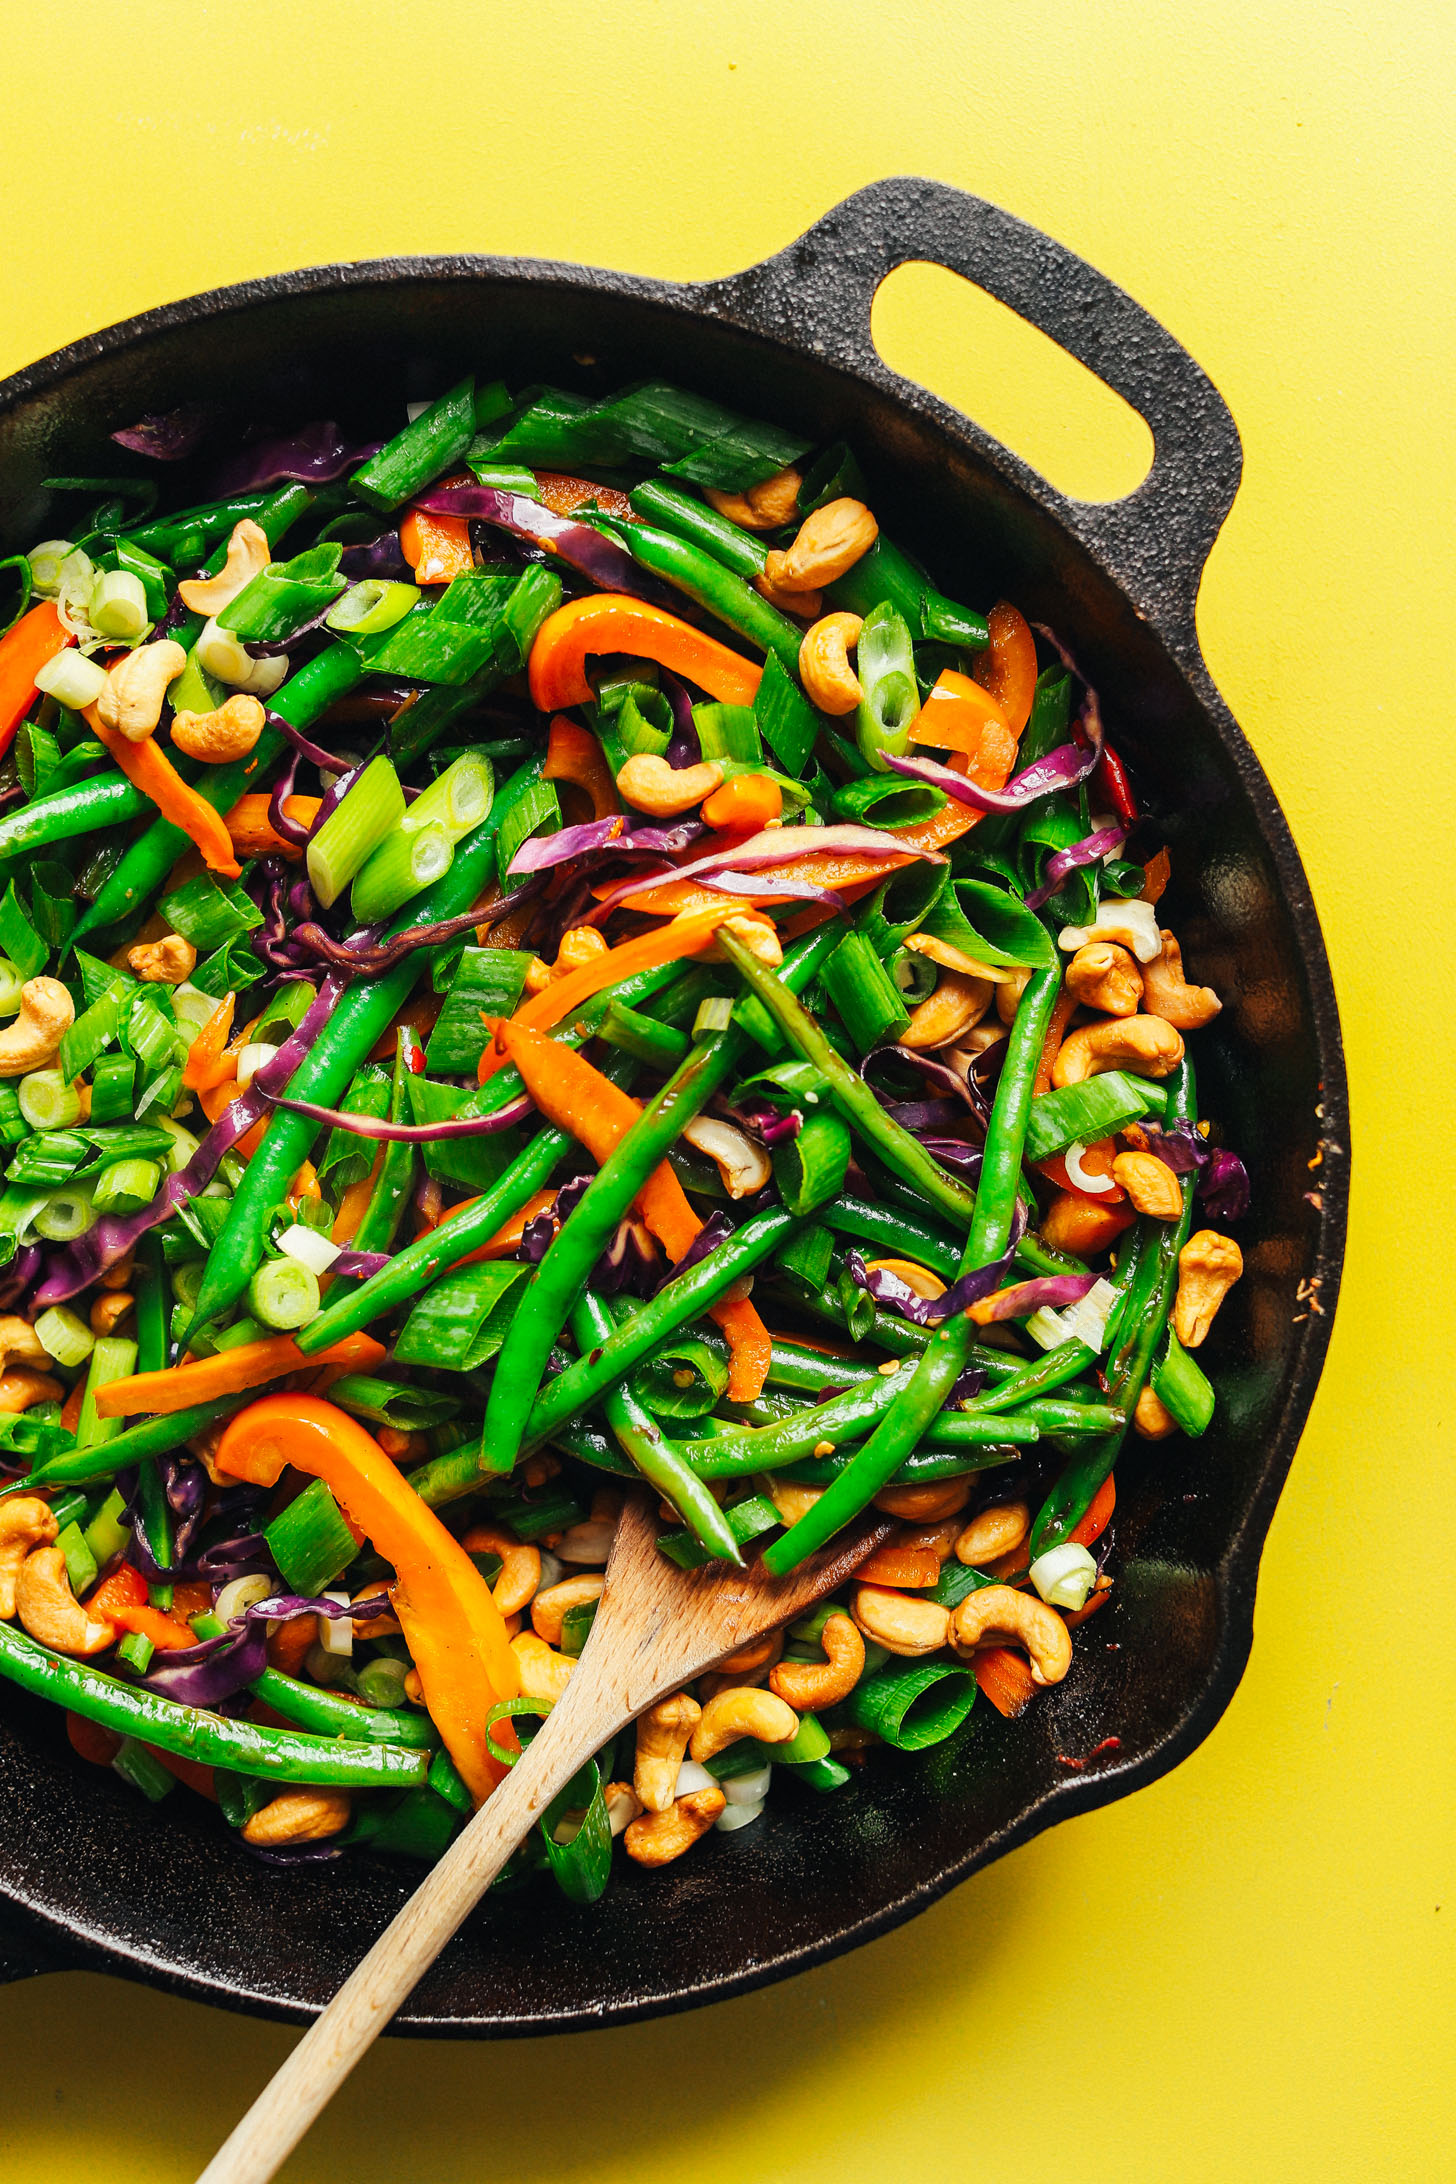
x=818, y=293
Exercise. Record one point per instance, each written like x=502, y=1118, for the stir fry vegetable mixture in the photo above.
x=540, y=955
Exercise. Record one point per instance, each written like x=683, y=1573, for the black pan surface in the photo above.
x=91, y=1876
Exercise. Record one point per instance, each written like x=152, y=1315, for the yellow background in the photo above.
x=1246, y=1971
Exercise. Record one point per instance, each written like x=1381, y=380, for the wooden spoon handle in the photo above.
x=575, y=1728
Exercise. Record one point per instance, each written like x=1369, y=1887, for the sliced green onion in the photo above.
x=885, y=665
x=251, y=1058
x=194, y=691
x=428, y=446
x=46, y=562
x=184, y=1143
x=139, y=1766
x=461, y=1320
x=458, y=801
x=728, y=731
x=913, y=1706
x=658, y=1046
x=11, y=984
x=135, y=1650
x=47, y=1101
x=1181, y=1386
x=343, y=845
x=370, y=608
x=13, y=1125
x=284, y=1294
x=684, y=1379
x=714, y=1014
x=381, y=1682
x=1064, y=1575
x=864, y=994
x=487, y=982
x=118, y=606
x=112, y=1359
x=747, y=1520
x=72, y=679
x=309, y=1540
x=194, y=1008
x=1083, y=1113
x=402, y=865
x=810, y=1169
x=309, y=1247
x=126, y=1186
x=810, y=1741
x=209, y=912
x=65, y=1335
x=223, y=656
x=108, y=1532
x=81, y=1564
x=113, y=1082
x=65, y=1215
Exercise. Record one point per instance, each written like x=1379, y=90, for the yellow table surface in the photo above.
x=1246, y=1970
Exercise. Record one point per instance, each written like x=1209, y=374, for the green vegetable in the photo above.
x=1083, y=1113
x=370, y=809
x=864, y=994
x=810, y=1169
x=914, y=1704
x=310, y=1541
x=709, y=584
x=404, y=864
x=431, y=445
x=1181, y=1386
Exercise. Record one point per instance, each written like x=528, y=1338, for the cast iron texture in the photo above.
x=95, y=1877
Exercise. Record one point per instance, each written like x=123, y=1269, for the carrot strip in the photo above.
x=1063, y=1010
x=355, y=1203
x=751, y=801
x=37, y=637
x=956, y=715
x=206, y=1064
x=90, y=1741
x=251, y=834
x=574, y=754
x=231, y=1372
x=913, y=1567
x=195, y=1776
x=148, y=768
x=1004, y=1678
x=437, y=548
x=563, y=495
x=613, y=622
x=1098, y=1517
x=165, y=1632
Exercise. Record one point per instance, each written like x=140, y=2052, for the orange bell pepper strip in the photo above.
x=1007, y=668
x=578, y=1098
x=751, y=801
x=207, y=1064
x=684, y=937
x=148, y=768
x=37, y=637
x=125, y=1588
x=355, y=1203
x=167, y=1634
x=574, y=754
x=437, y=548
x=252, y=836
x=1098, y=1517
x=451, y=1624
x=1004, y=1678
x=508, y=1235
x=563, y=495
x=231, y=1372
x=613, y=622
x=956, y=716
x=304, y=1185
x=190, y=1771
x=908, y=1566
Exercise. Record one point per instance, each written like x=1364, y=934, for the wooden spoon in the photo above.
x=657, y=1628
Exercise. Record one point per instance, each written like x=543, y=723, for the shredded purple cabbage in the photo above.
x=218, y=1668
x=685, y=748
x=715, y=1230
x=778, y=846
x=166, y=435
x=764, y=1122
x=1224, y=1187
x=287, y=829
x=888, y=1289
x=360, y=1266
x=314, y=455
x=380, y=557
x=612, y=836
x=1049, y=1290
x=578, y=544
x=629, y=1265
x=19, y=1275
x=1062, y=768
x=380, y=1130
x=1106, y=842
x=1180, y=1147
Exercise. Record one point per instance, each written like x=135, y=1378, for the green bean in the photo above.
x=706, y=581
x=82, y=809
x=944, y=1359
x=1053, y=1370
x=843, y=1418
x=135, y=1444
x=640, y=1437
x=894, y=1231
x=332, y=1714
x=702, y=526
x=193, y=1732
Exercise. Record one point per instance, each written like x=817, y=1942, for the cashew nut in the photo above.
x=379, y=1626
x=548, y=1609
x=898, y=1622
x=806, y=1685
x=926, y=1503
x=744, y=1167
x=662, y=1739
x=131, y=703
x=20, y=1388
x=117, y=1277
x=588, y=1543
x=1208, y=1267
x=666, y=791
x=25, y=1523
x=1150, y=1184
x=791, y=1500
x=1018, y=1615
x=543, y=1674
x=109, y=1310
x=1132, y=924
x=582, y=945
x=658, y=1837
x=1167, y=994
x=829, y=680
x=248, y=552
x=829, y=544
x=163, y=962
x=807, y=605
x=520, y=1570
x=957, y=1003
x=995, y=1532
x=623, y=1805
x=1143, y=1044
x=1152, y=1418
x=20, y=1345
x=767, y=506
x=742, y=1711
x=757, y=934
x=221, y=736
x=1008, y=995
x=955, y=959
x=33, y=1040
x=50, y=1610
x=1106, y=977
x=298, y=1816
x=747, y=1660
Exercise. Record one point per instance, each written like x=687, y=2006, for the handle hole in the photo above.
x=946, y=334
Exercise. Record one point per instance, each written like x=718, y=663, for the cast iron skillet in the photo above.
x=94, y=1877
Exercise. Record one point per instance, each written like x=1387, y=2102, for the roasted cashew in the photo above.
x=758, y=934
x=1152, y=1418
x=956, y=959
x=744, y=1167
x=248, y=552
x=589, y=1543
x=1166, y=992
x=993, y=1533
x=806, y=1685
x=379, y=1626
x=758, y=1653
x=217, y=738
x=21, y=1345
x=623, y=1805
x=580, y=946
x=662, y=1740
x=1132, y=924
x=928, y=1503
x=1104, y=976
x=1143, y=1044
x=1006, y=1613
x=25, y=1523
x=742, y=1711
x=164, y=962
x=767, y=506
x=658, y=1837
x=298, y=1816
x=1208, y=1267
x=949, y=1013
x=136, y=687
x=33, y=1040
x=1150, y=1184
x=548, y=1609
x=520, y=1570
x=808, y=605
x=109, y=1310
x=899, y=1622
x=50, y=1611
x=664, y=791
x=791, y=1500
x=544, y=1674
x=939, y=1538
x=20, y=1388
x=829, y=544
x=1008, y=996
x=119, y=1276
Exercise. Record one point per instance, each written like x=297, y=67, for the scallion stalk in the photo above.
x=118, y=605
x=126, y=1186
x=370, y=608
x=66, y=1214
x=284, y=1294
x=47, y=1101
x=65, y=1335
x=113, y=1358
x=348, y=838
x=402, y=865
x=458, y=801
